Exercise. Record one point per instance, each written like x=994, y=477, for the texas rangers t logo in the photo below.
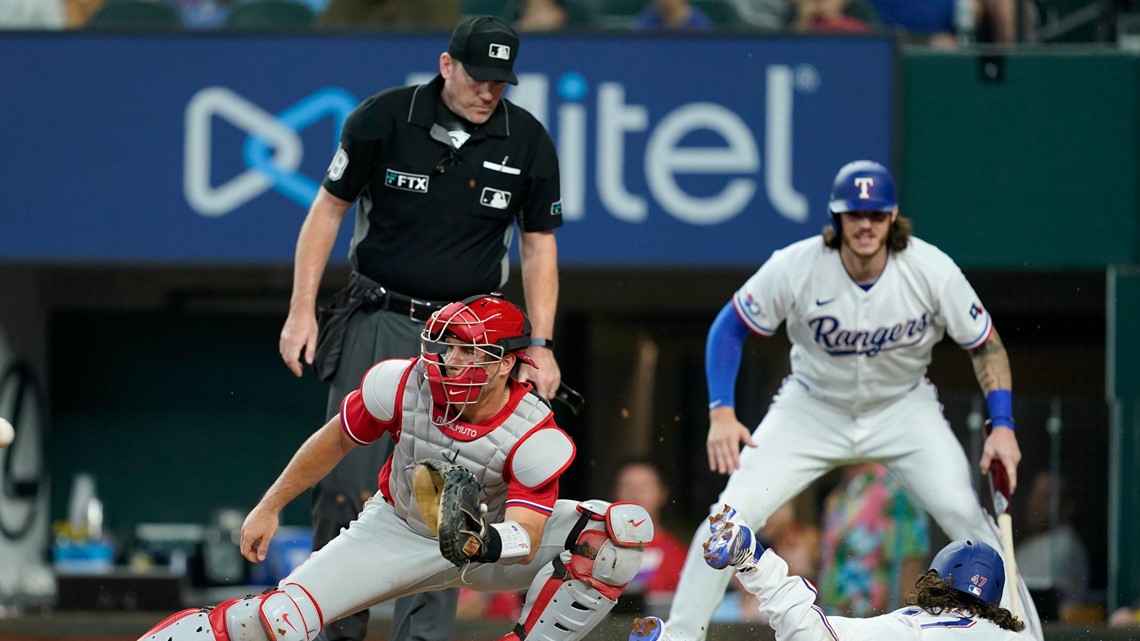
x=864, y=184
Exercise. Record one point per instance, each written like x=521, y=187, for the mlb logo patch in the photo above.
x=405, y=181
x=495, y=198
x=502, y=52
x=974, y=590
x=976, y=311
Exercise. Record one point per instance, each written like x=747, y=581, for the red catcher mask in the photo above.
x=464, y=344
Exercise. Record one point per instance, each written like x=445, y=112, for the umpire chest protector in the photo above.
x=486, y=455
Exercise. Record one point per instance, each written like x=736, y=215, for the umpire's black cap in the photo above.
x=487, y=47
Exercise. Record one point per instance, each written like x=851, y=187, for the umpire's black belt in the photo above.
x=379, y=298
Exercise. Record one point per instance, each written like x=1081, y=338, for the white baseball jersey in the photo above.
x=857, y=393
x=861, y=349
x=789, y=603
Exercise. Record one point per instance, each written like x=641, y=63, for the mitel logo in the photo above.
x=601, y=118
x=667, y=161
x=272, y=151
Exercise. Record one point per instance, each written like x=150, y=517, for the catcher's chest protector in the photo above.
x=485, y=456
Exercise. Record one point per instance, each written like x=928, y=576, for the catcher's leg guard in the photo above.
x=287, y=614
x=603, y=555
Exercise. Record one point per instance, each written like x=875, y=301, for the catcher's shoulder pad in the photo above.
x=380, y=387
x=541, y=456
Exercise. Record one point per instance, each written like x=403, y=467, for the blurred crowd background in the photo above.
x=936, y=23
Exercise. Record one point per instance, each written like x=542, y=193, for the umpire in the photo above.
x=440, y=174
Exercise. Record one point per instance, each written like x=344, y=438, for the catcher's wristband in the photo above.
x=506, y=542
x=1000, y=404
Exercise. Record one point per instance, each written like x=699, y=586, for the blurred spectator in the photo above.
x=796, y=539
x=677, y=15
x=78, y=12
x=875, y=541
x=828, y=16
x=996, y=20
x=772, y=15
x=32, y=14
x=639, y=481
x=933, y=21
x=390, y=14
x=1051, y=557
x=204, y=14
x=541, y=15
x=1124, y=617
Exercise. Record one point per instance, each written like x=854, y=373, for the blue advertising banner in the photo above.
x=686, y=150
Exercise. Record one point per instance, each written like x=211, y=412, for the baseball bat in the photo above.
x=999, y=487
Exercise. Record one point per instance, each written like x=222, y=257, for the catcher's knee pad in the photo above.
x=607, y=545
x=287, y=614
x=603, y=554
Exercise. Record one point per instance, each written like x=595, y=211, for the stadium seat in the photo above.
x=722, y=13
x=135, y=15
x=270, y=15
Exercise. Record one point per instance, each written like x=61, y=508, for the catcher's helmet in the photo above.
x=972, y=567
x=485, y=322
x=862, y=185
x=467, y=338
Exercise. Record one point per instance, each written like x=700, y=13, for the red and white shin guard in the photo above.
x=285, y=614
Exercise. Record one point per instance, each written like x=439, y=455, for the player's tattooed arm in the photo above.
x=991, y=364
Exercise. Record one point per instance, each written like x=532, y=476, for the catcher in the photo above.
x=468, y=497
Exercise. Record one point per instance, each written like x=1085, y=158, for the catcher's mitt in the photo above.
x=448, y=499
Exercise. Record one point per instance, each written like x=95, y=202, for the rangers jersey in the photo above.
x=859, y=348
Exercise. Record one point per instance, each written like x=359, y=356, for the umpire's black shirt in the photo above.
x=432, y=221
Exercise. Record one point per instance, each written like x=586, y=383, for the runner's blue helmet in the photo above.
x=863, y=185
x=972, y=567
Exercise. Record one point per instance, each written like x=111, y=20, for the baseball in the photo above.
x=7, y=433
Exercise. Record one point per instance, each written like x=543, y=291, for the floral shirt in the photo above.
x=870, y=527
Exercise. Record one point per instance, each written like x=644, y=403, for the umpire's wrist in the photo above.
x=548, y=343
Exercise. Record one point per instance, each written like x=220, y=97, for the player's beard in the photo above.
x=866, y=245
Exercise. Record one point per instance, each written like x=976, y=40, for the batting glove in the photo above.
x=732, y=542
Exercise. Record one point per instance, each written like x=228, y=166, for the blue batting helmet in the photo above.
x=863, y=185
x=972, y=567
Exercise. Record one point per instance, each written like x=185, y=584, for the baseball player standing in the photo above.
x=957, y=598
x=456, y=409
x=441, y=174
x=864, y=306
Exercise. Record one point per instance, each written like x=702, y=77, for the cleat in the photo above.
x=648, y=629
x=732, y=543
